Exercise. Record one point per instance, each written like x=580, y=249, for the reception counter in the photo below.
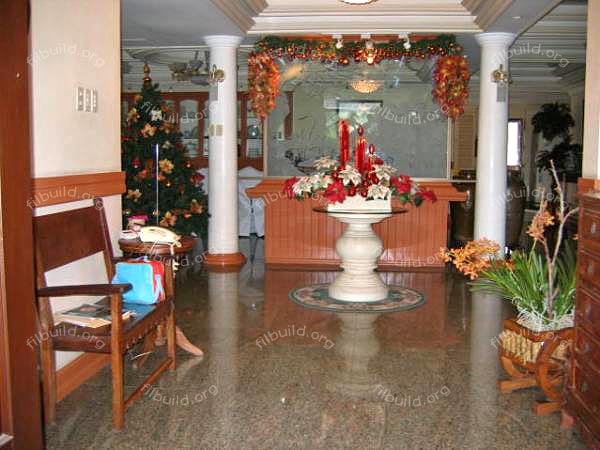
x=296, y=236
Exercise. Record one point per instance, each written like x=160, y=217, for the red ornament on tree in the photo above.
x=136, y=163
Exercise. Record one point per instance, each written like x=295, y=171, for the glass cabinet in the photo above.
x=190, y=111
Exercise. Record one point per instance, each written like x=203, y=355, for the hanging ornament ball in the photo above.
x=352, y=191
x=136, y=163
x=360, y=130
x=168, y=183
x=156, y=213
x=188, y=164
x=127, y=212
x=363, y=193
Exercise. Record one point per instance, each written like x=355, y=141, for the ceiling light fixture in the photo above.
x=407, y=45
x=365, y=86
x=358, y=2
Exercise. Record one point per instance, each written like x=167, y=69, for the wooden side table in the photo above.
x=162, y=252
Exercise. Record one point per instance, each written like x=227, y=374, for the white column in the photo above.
x=490, y=200
x=222, y=155
x=591, y=130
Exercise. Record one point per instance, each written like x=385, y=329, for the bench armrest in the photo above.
x=84, y=289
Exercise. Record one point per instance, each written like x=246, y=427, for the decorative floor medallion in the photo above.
x=317, y=296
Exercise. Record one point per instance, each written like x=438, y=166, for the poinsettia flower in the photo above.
x=402, y=184
x=350, y=175
x=288, y=187
x=325, y=162
x=383, y=171
x=335, y=192
x=302, y=186
x=378, y=191
x=427, y=195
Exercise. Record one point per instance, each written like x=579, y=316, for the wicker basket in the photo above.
x=524, y=350
x=535, y=358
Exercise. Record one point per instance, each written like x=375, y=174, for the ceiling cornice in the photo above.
x=373, y=24
x=487, y=11
x=241, y=12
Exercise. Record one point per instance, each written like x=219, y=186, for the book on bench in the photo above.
x=90, y=315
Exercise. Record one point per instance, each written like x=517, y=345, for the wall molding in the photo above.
x=78, y=371
x=70, y=188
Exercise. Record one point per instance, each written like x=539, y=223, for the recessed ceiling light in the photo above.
x=358, y=2
x=517, y=17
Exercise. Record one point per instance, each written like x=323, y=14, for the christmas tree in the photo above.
x=166, y=170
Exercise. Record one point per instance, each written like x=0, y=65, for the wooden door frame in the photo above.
x=20, y=402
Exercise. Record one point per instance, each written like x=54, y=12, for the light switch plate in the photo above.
x=94, y=100
x=79, y=99
x=88, y=100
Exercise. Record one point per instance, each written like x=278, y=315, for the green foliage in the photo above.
x=525, y=282
x=181, y=198
x=553, y=120
x=310, y=48
x=568, y=159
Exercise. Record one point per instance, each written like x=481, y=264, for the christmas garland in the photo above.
x=451, y=82
x=451, y=77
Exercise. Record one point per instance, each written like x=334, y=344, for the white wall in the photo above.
x=76, y=43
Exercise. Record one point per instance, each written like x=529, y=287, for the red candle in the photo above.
x=344, y=135
x=359, y=155
x=370, y=158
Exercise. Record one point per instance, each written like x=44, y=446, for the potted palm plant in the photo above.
x=540, y=283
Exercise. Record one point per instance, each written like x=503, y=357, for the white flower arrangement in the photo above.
x=378, y=192
x=302, y=186
x=350, y=175
x=325, y=163
x=383, y=171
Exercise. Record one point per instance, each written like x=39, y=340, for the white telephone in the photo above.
x=159, y=235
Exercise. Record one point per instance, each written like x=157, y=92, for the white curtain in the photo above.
x=250, y=211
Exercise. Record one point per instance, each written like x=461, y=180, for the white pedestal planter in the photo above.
x=359, y=248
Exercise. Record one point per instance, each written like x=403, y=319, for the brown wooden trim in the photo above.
x=70, y=188
x=587, y=184
x=20, y=405
x=78, y=371
x=224, y=262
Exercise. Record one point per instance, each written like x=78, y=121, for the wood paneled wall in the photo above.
x=296, y=235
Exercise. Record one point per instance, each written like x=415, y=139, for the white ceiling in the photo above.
x=160, y=23
x=163, y=32
x=550, y=56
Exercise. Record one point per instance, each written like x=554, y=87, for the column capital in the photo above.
x=495, y=39
x=223, y=40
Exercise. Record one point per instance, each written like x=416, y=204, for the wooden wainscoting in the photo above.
x=70, y=188
x=587, y=184
x=78, y=371
x=295, y=235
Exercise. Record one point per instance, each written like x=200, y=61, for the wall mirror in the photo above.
x=391, y=100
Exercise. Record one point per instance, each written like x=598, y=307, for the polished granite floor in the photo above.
x=279, y=376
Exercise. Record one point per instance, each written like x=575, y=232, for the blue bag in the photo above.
x=146, y=277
